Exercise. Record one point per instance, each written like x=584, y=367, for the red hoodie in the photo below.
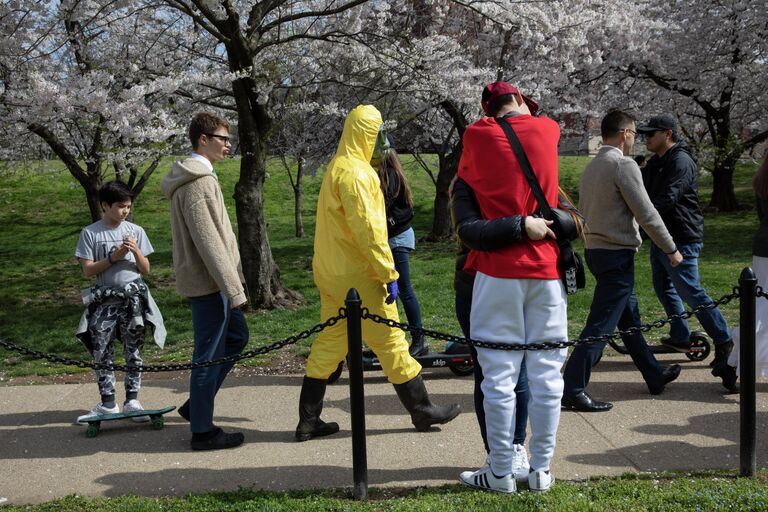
x=489, y=166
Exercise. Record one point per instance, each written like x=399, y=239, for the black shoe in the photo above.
x=584, y=403
x=720, y=367
x=677, y=346
x=669, y=374
x=419, y=346
x=216, y=439
x=184, y=410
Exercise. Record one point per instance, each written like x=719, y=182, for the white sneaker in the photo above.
x=484, y=479
x=132, y=406
x=540, y=481
x=520, y=466
x=98, y=410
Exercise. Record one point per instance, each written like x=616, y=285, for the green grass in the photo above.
x=681, y=492
x=42, y=211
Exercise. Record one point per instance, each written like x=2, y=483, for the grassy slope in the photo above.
x=42, y=212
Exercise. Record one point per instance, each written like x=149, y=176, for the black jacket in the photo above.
x=399, y=213
x=671, y=184
x=760, y=242
x=474, y=232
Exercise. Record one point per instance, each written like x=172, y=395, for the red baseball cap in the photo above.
x=497, y=89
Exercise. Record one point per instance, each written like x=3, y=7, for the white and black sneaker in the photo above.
x=484, y=479
x=540, y=481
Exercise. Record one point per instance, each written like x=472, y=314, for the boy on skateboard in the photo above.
x=119, y=305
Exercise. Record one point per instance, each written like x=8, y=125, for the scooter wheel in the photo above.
x=700, y=347
x=463, y=370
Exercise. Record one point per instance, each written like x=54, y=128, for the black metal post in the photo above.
x=747, y=399
x=356, y=395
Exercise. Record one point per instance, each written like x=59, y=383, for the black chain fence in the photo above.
x=725, y=299
x=173, y=367
x=760, y=293
x=367, y=315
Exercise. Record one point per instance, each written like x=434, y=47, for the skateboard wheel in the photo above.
x=92, y=431
x=158, y=423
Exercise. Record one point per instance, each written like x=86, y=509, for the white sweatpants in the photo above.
x=520, y=311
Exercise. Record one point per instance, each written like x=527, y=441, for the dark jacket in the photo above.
x=671, y=184
x=760, y=242
x=399, y=213
x=476, y=233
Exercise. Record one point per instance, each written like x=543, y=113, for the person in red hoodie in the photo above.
x=518, y=297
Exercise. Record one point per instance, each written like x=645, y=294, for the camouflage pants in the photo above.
x=107, y=323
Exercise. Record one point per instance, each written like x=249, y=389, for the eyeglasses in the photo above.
x=633, y=132
x=223, y=138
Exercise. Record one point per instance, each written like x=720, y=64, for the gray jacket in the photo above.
x=613, y=200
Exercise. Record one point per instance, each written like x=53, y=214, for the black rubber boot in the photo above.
x=310, y=406
x=419, y=345
x=721, y=369
x=424, y=413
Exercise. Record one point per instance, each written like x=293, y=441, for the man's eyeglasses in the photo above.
x=223, y=138
x=633, y=132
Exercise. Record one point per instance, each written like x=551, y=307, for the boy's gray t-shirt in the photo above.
x=98, y=240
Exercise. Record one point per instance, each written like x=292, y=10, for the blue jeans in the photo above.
x=613, y=304
x=219, y=332
x=404, y=289
x=680, y=284
x=463, y=310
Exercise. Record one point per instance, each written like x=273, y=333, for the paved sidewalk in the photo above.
x=44, y=456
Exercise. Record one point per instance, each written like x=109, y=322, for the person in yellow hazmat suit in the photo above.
x=351, y=251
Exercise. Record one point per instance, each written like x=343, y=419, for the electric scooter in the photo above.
x=699, y=350
x=457, y=359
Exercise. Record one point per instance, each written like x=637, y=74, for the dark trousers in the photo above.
x=219, y=332
x=463, y=310
x=613, y=304
x=404, y=289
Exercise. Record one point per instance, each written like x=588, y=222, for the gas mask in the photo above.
x=382, y=149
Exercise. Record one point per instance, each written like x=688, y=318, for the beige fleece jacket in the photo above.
x=205, y=254
x=613, y=200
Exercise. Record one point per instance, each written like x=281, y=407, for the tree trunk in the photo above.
x=262, y=277
x=297, y=199
x=723, y=195
x=441, y=222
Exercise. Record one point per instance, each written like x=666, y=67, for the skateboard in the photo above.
x=155, y=417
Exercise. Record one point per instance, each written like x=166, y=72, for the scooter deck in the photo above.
x=155, y=417
x=430, y=360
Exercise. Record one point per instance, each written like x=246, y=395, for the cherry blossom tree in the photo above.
x=82, y=76
x=253, y=35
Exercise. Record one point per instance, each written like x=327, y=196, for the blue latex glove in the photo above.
x=392, y=291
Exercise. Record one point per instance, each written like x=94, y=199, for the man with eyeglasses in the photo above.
x=207, y=264
x=614, y=203
x=670, y=179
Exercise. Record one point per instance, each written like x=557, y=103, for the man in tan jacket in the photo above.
x=208, y=272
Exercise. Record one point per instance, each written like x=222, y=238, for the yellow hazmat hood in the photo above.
x=351, y=223
x=359, y=135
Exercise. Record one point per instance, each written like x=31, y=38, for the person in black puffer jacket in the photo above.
x=670, y=179
x=398, y=202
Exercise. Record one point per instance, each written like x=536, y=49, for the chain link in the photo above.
x=172, y=367
x=550, y=345
x=367, y=315
x=760, y=293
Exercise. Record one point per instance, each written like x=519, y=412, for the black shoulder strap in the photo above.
x=525, y=164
